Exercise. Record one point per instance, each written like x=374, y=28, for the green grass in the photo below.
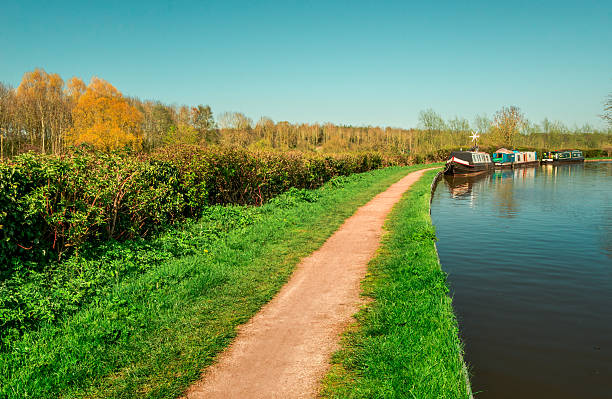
x=151, y=331
x=405, y=342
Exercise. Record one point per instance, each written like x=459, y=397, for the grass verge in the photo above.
x=152, y=332
x=598, y=159
x=405, y=343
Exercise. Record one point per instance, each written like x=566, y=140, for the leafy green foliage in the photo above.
x=31, y=297
x=49, y=204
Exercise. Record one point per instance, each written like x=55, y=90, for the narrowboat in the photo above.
x=504, y=158
x=468, y=162
x=525, y=158
x=566, y=156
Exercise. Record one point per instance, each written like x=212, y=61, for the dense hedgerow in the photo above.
x=51, y=204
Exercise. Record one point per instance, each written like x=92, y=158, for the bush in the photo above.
x=49, y=204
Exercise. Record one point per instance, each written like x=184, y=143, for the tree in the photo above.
x=264, y=124
x=235, y=121
x=181, y=134
x=482, y=123
x=41, y=105
x=433, y=124
x=431, y=121
x=459, y=125
x=507, y=122
x=7, y=119
x=607, y=115
x=161, y=124
x=204, y=123
x=265, y=130
x=75, y=87
x=103, y=118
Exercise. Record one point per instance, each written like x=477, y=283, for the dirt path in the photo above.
x=284, y=350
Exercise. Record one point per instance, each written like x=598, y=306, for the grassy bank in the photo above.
x=405, y=343
x=150, y=330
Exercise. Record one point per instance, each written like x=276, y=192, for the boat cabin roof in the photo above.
x=504, y=151
x=557, y=151
x=468, y=152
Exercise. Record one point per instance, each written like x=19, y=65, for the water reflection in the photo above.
x=504, y=193
x=531, y=277
x=462, y=186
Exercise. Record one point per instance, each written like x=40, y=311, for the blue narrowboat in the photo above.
x=504, y=158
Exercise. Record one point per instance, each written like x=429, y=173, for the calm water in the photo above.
x=529, y=258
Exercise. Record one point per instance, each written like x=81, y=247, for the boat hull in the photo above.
x=558, y=161
x=512, y=165
x=503, y=165
x=455, y=168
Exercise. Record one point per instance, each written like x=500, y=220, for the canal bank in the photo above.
x=405, y=342
x=598, y=160
x=434, y=184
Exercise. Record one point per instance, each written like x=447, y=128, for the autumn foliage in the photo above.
x=40, y=109
x=104, y=119
x=47, y=115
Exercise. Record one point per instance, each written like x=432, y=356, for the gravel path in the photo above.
x=284, y=350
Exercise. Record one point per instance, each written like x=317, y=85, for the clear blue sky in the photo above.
x=353, y=62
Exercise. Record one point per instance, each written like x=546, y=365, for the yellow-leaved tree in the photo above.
x=41, y=107
x=102, y=117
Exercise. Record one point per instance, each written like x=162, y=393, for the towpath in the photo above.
x=284, y=350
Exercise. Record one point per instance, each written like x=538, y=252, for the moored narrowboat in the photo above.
x=504, y=158
x=468, y=162
x=525, y=158
x=566, y=156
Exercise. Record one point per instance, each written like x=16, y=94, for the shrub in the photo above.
x=50, y=204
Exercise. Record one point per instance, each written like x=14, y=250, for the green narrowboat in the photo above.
x=564, y=156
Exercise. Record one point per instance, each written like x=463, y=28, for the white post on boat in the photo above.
x=474, y=138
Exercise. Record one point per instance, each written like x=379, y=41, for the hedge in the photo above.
x=50, y=204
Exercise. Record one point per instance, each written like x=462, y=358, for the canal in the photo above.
x=528, y=253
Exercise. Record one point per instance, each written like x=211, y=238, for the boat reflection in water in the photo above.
x=504, y=183
x=553, y=170
x=462, y=186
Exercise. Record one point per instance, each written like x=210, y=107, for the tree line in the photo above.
x=48, y=115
